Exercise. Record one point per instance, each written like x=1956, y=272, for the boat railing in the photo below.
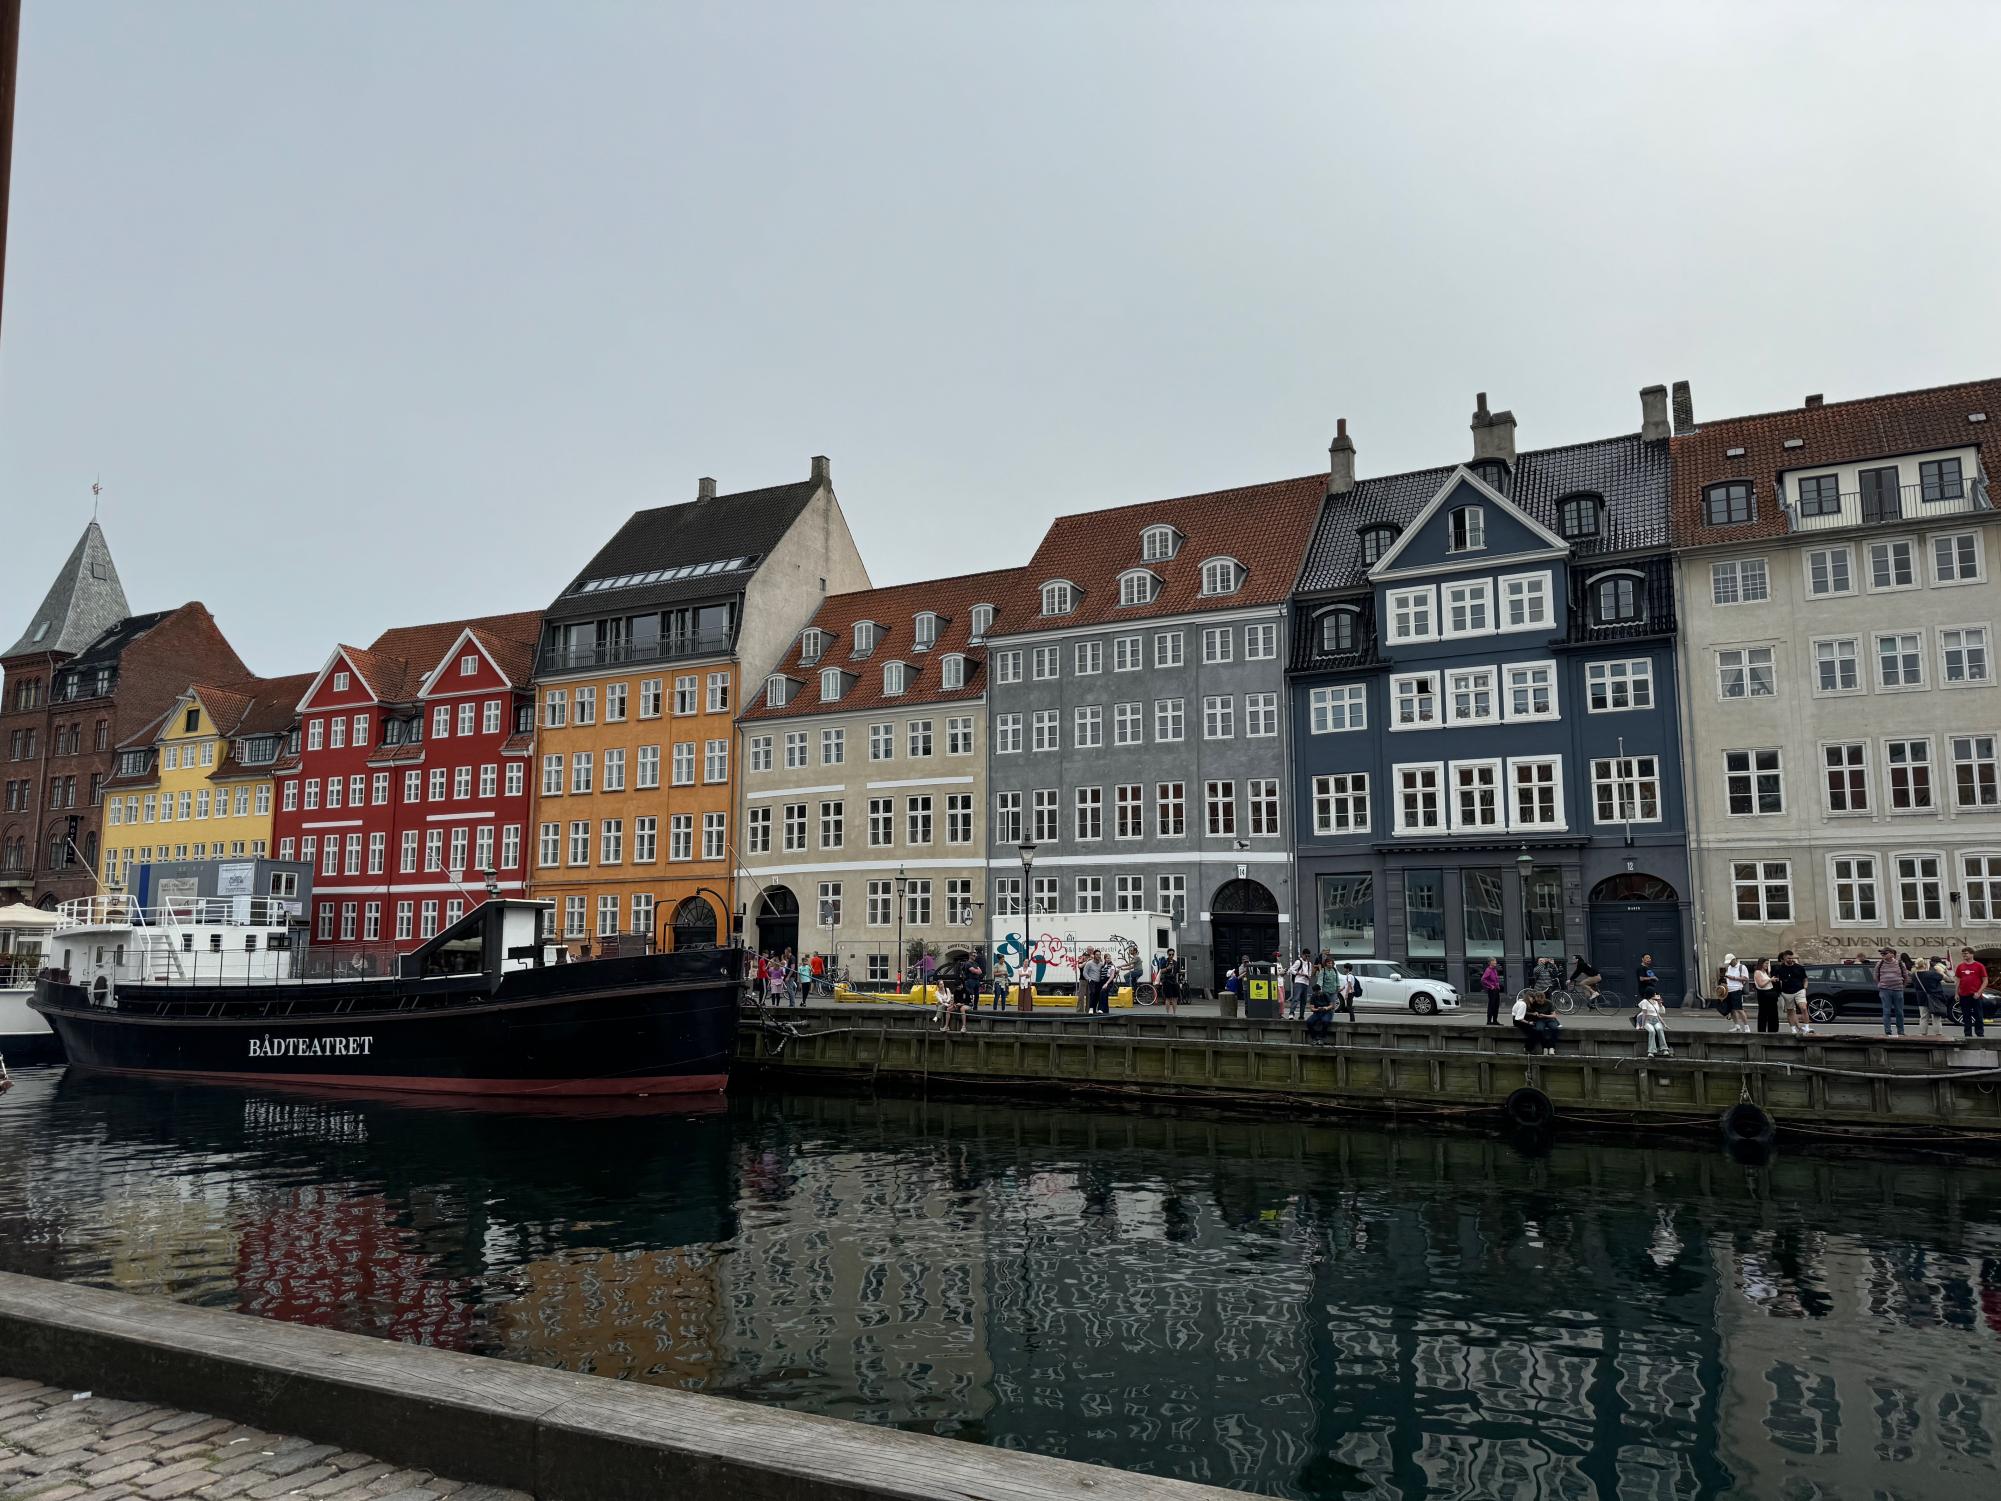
x=115, y=910
x=18, y=971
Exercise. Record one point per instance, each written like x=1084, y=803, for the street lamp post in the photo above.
x=1525, y=863
x=827, y=921
x=1026, y=849
x=900, y=879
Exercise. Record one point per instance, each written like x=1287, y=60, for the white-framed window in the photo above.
x=681, y=832
x=1956, y=558
x=833, y=683
x=1042, y=815
x=1087, y=722
x=1530, y=691
x=952, y=670
x=1170, y=810
x=1907, y=774
x=1616, y=687
x=1088, y=660
x=1852, y=882
x=1739, y=581
x=489, y=714
x=1419, y=807
x=1340, y=630
x=687, y=693
x=1974, y=779
x=833, y=823
x=715, y=835
x=1046, y=730
x=1219, y=717
x=1129, y=802
x=1745, y=672
x=1219, y=643
x=1090, y=894
x=1261, y=802
x=1469, y=608
x=1837, y=666
x=1261, y=642
x=1900, y=661
x=1893, y=564
x=683, y=773
x=1167, y=649
x=1137, y=586
x=1341, y=803
x=1626, y=789
x=924, y=630
x=1980, y=879
x=1219, y=802
x=1007, y=734
x=1007, y=818
x=1470, y=697
x=1090, y=813
x=649, y=698
x=1524, y=601
x=1337, y=708
x=1128, y=724
x=1762, y=890
x=1173, y=892
x=441, y=722
x=587, y=710
x=646, y=839
x=982, y=621
x=757, y=829
x=1260, y=715
x=1167, y=720
x=881, y=822
x=1413, y=613
x=1157, y=544
x=1754, y=783
x=715, y=760
x=611, y=841
x=607, y=917
x=1007, y=666
x=893, y=678
x=917, y=737
x=777, y=690
x=1059, y=597
x=1535, y=792
x=864, y=637
x=1007, y=896
x=812, y=645
x=1845, y=776
x=1413, y=700
x=1127, y=654
x=1467, y=529
x=1047, y=663
x=1830, y=572
x=1920, y=878
x=1476, y=795
x=1222, y=576
x=1964, y=661
x=833, y=746
x=881, y=742
x=958, y=818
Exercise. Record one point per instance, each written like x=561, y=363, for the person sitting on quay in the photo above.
x=1653, y=1017
x=1319, y=1018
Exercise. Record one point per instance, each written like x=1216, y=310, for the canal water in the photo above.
x=1301, y=1310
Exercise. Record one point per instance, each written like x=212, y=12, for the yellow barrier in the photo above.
x=927, y=995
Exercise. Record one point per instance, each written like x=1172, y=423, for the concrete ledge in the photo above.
x=559, y=1435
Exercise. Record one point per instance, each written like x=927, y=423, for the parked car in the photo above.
x=1837, y=991
x=1386, y=986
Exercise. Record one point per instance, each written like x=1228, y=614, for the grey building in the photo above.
x=1137, y=737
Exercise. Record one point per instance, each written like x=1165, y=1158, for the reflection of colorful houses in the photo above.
x=652, y=1316
x=342, y=1261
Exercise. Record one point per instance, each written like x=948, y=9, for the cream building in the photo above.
x=862, y=816
x=1842, y=727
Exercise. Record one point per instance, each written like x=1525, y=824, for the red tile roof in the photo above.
x=895, y=609
x=1838, y=432
x=394, y=663
x=1266, y=528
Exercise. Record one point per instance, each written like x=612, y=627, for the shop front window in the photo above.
x=1348, y=916
x=1424, y=917
x=1481, y=894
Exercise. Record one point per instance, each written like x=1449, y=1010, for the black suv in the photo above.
x=1834, y=991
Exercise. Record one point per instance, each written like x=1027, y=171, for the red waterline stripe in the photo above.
x=394, y=1084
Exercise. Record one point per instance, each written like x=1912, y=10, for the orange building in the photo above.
x=641, y=672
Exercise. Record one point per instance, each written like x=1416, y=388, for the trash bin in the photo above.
x=1264, y=993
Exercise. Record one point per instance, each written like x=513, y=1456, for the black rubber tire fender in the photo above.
x=1745, y=1122
x=1529, y=1106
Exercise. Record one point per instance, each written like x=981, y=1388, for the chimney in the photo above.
x=1684, y=408
x=1653, y=414
x=1493, y=433
x=823, y=472
x=705, y=488
x=1813, y=401
x=1341, y=460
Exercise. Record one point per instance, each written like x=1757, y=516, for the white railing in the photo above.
x=1910, y=503
x=117, y=911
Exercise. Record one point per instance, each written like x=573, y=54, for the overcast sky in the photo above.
x=369, y=314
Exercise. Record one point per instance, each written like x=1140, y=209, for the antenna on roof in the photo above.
x=96, y=489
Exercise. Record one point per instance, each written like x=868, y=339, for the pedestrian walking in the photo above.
x=1002, y=973
x=1653, y=1017
x=792, y=987
x=1766, y=992
x=1969, y=985
x=1491, y=982
x=1301, y=975
x=1790, y=976
x=1934, y=997
x=1735, y=977
x=1890, y=990
x=1168, y=986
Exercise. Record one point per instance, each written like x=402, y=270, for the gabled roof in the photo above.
x=1264, y=527
x=393, y=666
x=1386, y=564
x=895, y=609
x=1628, y=473
x=84, y=601
x=1838, y=432
x=726, y=529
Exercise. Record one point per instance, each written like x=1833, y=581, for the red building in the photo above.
x=408, y=788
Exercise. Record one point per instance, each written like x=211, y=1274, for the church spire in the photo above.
x=85, y=600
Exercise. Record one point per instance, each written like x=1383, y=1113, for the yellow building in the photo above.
x=195, y=784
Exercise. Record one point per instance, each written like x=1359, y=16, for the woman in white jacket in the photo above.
x=1654, y=1018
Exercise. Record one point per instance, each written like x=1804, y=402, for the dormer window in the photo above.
x=926, y=631
x=1728, y=504
x=1059, y=597
x=952, y=671
x=1577, y=516
x=1469, y=528
x=1615, y=599
x=865, y=637
x=833, y=683
x=777, y=690
x=1158, y=543
x=983, y=620
x=1340, y=630
x=1376, y=541
x=894, y=678
x=812, y=646
x=1222, y=576
x=1138, y=587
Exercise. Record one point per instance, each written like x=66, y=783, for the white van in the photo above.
x=1133, y=939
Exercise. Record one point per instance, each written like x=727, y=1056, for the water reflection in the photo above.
x=1301, y=1310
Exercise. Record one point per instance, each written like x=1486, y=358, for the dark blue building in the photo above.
x=1485, y=720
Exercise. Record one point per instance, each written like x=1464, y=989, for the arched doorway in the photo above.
x=777, y=921
x=1243, y=919
x=694, y=925
x=1631, y=914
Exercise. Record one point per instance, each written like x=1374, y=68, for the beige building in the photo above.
x=863, y=811
x=1842, y=727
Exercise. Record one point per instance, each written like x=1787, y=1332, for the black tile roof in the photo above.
x=110, y=645
x=1631, y=476
x=746, y=525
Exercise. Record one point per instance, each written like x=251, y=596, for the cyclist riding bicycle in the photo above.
x=1586, y=978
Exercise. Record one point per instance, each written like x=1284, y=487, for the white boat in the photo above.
x=25, y=1036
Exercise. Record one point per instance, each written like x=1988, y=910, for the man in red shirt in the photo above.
x=1972, y=977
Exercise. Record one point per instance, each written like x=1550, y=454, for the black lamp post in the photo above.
x=1525, y=863
x=901, y=879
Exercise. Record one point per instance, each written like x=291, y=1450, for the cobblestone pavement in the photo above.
x=56, y=1445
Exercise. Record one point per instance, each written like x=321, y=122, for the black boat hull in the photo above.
x=553, y=1033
